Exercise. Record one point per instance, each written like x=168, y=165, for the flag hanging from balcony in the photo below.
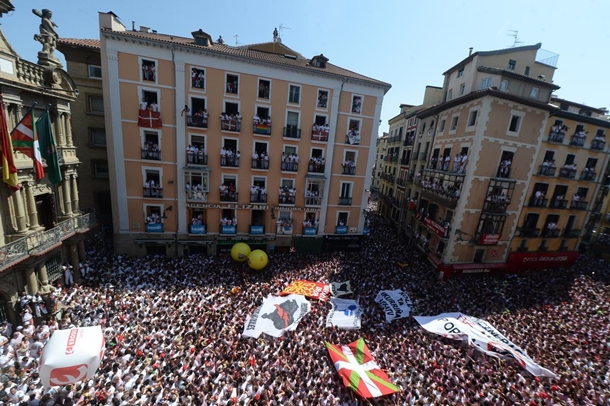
x=149, y=119
x=9, y=170
x=25, y=140
x=47, y=147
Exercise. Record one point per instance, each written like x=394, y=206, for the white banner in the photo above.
x=276, y=315
x=345, y=314
x=483, y=336
x=396, y=304
x=340, y=288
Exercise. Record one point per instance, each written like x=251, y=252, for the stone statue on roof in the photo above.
x=47, y=37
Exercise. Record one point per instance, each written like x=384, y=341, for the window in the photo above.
x=294, y=94
x=196, y=181
x=95, y=72
x=149, y=70
x=322, y=102
x=353, y=134
x=231, y=108
x=462, y=88
x=423, y=128
x=98, y=137
x=96, y=104
x=232, y=84
x=357, y=104
x=460, y=71
x=515, y=122
x=292, y=125
x=346, y=190
x=511, y=64
x=472, y=119
x=197, y=105
x=320, y=120
x=100, y=169
x=450, y=95
x=527, y=71
x=534, y=92
x=504, y=85
x=454, y=122
x=486, y=83
x=264, y=89
x=151, y=98
x=198, y=78
x=442, y=126
x=151, y=146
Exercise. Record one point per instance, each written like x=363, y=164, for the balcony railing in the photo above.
x=349, y=170
x=260, y=163
x=588, y=175
x=388, y=177
x=559, y=203
x=258, y=197
x=197, y=121
x=314, y=167
x=548, y=233
x=229, y=161
x=345, y=201
x=228, y=197
x=285, y=198
x=598, y=145
x=567, y=173
x=319, y=135
x=232, y=87
x=153, y=192
x=544, y=170
x=573, y=233
x=557, y=136
x=292, y=131
x=193, y=158
x=257, y=229
x=150, y=154
x=495, y=207
x=579, y=205
x=198, y=229
x=154, y=227
x=196, y=196
x=445, y=198
x=538, y=202
x=577, y=141
x=408, y=141
x=290, y=166
x=261, y=129
x=231, y=125
x=313, y=200
x=529, y=232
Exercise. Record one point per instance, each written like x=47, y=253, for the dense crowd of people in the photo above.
x=173, y=332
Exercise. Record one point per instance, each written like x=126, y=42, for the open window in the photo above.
x=314, y=192
x=287, y=192
x=196, y=153
x=322, y=101
x=198, y=78
x=198, y=221
x=353, y=133
x=149, y=70
x=357, y=104
x=232, y=84
x=505, y=165
x=284, y=223
x=257, y=222
x=342, y=219
x=196, y=186
x=349, y=162
x=153, y=218
x=228, y=189
x=264, y=89
x=345, y=194
x=151, y=148
x=153, y=188
x=260, y=155
x=258, y=190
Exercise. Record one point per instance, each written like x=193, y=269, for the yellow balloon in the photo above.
x=257, y=259
x=240, y=251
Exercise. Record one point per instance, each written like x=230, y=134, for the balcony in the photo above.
x=286, y=198
x=310, y=230
x=290, y=166
x=557, y=136
x=258, y=197
x=224, y=229
x=261, y=129
x=567, y=173
x=151, y=154
x=196, y=158
x=228, y=197
x=154, y=227
x=405, y=161
x=315, y=167
x=257, y=230
x=340, y=229
x=261, y=163
x=396, y=138
x=559, y=203
x=313, y=200
x=390, y=200
x=230, y=124
x=199, y=121
x=551, y=233
x=578, y=140
x=348, y=169
x=229, y=161
x=409, y=140
x=292, y=131
x=495, y=207
x=320, y=135
x=196, y=196
x=579, y=205
x=538, y=202
x=529, y=232
x=232, y=87
x=598, y=144
x=153, y=192
x=544, y=170
x=589, y=175
x=573, y=233
x=401, y=182
x=443, y=198
x=388, y=177
x=345, y=201
x=198, y=229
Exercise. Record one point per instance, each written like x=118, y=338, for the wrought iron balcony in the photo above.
x=345, y=201
x=314, y=167
x=588, y=175
x=261, y=129
x=290, y=166
x=559, y=203
x=153, y=192
x=557, y=136
x=229, y=161
x=598, y=145
x=228, y=197
x=544, y=170
x=150, y=154
x=529, y=232
x=443, y=198
x=538, y=202
x=405, y=161
x=579, y=205
x=573, y=233
x=548, y=233
x=260, y=163
x=285, y=198
x=567, y=173
x=401, y=182
x=349, y=170
x=577, y=141
x=388, y=177
x=292, y=131
x=196, y=196
x=231, y=125
x=495, y=207
x=409, y=140
x=193, y=158
x=313, y=200
x=197, y=121
x=258, y=197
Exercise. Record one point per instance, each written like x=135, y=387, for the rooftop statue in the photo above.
x=47, y=37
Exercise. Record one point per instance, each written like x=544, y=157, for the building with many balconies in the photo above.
x=253, y=143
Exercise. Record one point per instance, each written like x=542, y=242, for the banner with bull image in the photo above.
x=276, y=315
x=396, y=304
x=483, y=336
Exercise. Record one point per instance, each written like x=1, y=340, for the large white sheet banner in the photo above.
x=396, y=304
x=277, y=315
x=345, y=314
x=483, y=336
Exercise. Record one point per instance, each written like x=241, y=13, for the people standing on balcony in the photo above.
x=256, y=119
x=539, y=198
x=447, y=162
x=143, y=104
x=456, y=163
x=265, y=160
x=255, y=163
x=463, y=160
x=223, y=156
x=154, y=106
x=433, y=162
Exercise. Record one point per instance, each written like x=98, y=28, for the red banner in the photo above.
x=437, y=228
x=314, y=290
x=520, y=261
x=489, y=239
x=149, y=119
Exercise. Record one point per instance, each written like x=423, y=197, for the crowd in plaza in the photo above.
x=173, y=332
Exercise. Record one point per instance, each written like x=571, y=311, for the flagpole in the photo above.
x=24, y=116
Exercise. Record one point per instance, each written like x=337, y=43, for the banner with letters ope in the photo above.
x=396, y=304
x=483, y=336
x=346, y=314
x=276, y=315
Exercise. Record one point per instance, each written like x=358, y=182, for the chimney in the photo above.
x=144, y=29
x=110, y=21
x=470, y=51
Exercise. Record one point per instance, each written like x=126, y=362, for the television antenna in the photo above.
x=236, y=39
x=515, y=35
x=282, y=27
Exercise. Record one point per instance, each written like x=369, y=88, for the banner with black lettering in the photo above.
x=483, y=336
x=345, y=314
x=276, y=315
x=396, y=304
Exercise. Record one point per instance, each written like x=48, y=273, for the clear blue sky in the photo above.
x=406, y=43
